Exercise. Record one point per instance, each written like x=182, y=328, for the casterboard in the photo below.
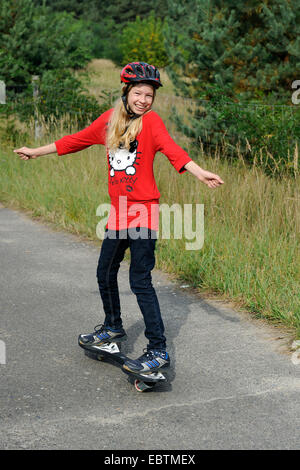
x=111, y=352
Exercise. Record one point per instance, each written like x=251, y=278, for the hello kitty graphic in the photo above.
x=124, y=159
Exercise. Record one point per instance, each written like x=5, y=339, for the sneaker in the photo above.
x=151, y=361
x=102, y=334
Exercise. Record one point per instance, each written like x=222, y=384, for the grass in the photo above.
x=251, y=250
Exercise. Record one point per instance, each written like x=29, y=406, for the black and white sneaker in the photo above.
x=102, y=335
x=151, y=361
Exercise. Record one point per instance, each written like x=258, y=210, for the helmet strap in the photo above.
x=128, y=110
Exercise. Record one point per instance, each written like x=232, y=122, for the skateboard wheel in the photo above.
x=99, y=357
x=141, y=386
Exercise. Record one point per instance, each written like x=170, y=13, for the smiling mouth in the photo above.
x=141, y=108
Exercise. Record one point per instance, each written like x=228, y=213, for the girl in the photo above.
x=132, y=133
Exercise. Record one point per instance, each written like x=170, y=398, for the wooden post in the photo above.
x=36, y=92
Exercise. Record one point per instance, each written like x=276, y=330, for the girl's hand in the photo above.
x=210, y=179
x=26, y=153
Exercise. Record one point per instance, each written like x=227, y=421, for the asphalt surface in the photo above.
x=230, y=385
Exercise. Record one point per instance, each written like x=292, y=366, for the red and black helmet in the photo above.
x=136, y=72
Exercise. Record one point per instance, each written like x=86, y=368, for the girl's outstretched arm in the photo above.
x=26, y=153
x=93, y=134
x=212, y=180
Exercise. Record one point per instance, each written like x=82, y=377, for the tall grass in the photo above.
x=251, y=249
x=252, y=223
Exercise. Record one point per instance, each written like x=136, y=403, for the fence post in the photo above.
x=37, y=126
x=2, y=92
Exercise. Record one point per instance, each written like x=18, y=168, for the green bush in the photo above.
x=34, y=40
x=61, y=97
x=142, y=40
x=62, y=94
x=266, y=134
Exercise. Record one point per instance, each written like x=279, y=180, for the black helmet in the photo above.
x=136, y=72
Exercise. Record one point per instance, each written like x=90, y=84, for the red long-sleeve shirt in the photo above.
x=132, y=187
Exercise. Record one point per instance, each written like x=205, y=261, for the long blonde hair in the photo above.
x=122, y=130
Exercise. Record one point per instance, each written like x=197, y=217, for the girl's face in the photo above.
x=140, y=98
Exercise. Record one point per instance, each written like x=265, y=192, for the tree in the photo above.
x=36, y=41
x=123, y=11
x=78, y=8
x=142, y=40
x=248, y=48
x=107, y=20
x=33, y=40
x=227, y=52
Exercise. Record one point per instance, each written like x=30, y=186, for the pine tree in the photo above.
x=228, y=55
x=247, y=48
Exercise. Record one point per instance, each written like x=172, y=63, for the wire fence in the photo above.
x=114, y=94
x=248, y=126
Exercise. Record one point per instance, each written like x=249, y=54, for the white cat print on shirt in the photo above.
x=124, y=159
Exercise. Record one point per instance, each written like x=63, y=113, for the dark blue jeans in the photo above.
x=142, y=246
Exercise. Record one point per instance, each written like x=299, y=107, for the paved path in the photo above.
x=230, y=388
